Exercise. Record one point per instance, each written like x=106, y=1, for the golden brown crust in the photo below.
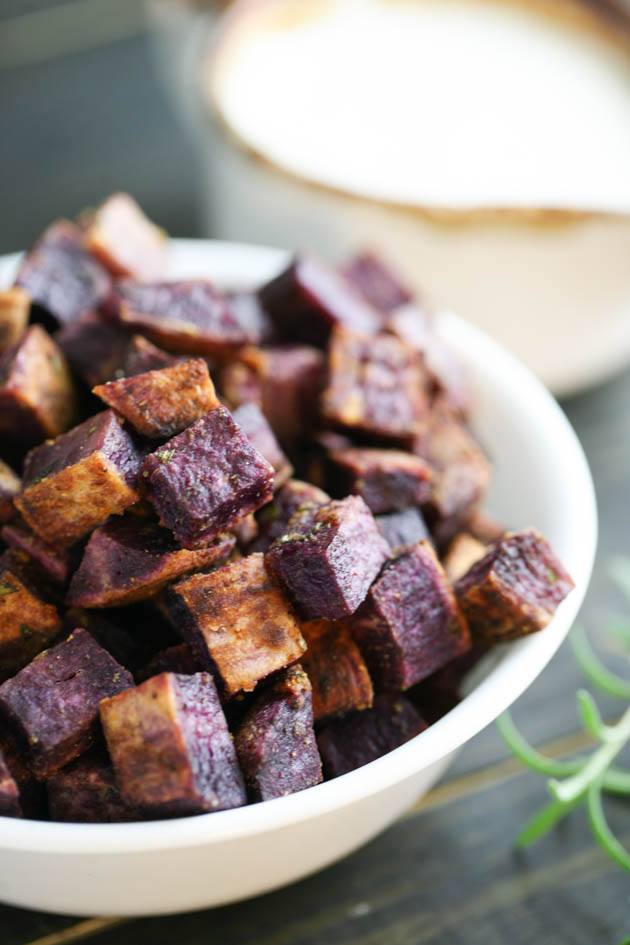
x=15, y=306
x=339, y=677
x=464, y=551
x=27, y=624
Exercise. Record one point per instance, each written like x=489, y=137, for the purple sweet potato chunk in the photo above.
x=276, y=744
x=402, y=530
x=254, y=425
x=174, y=659
x=206, y=479
x=128, y=560
x=55, y=563
x=387, y=480
x=28, y=623
x=442, y=691
x=309, y=299
x=10, y=485
x=251, y=316
x=85, y=792
x=123, y=644
x=410, y=624
x=20, y=794
x=514, y=589
x=75, y=482
x=99, y=350
x=15, y=307
x=52, y=704
x=336, y=669
x=328, y=558
x=187, y=317
x=62, y=279
x=273, y=519
x=377, y=389
x=377, y=282
x=125, y=241
x=171, y=748
x=284, y=380
x=357, y=739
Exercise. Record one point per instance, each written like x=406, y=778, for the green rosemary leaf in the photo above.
x=595, y=670
x=591, y=718
x=601, y=831
x=575, y=787
x=542, y=822
x=529, y=756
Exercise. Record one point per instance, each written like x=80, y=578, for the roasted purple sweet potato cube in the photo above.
x=462, y=472
x=207, y=478
x=52, y=704
x=15, y=305
x=377, y=282
x=125, y=241
x=462, y=553
x=450, y=377
x=141, y=356
x=285, y=381
x=328, y=558
x=387, y=480
x=55, y=563
x=245, y=531
x=20, y=794
x=336, y=669
x=74, y=483
x=273, y=519
x=378, y=388
x=128, y=560
x=10, y=485
x=85, y=792
x=354, y=741
x=62, y=279
x=37, y=393
x=410, y=624
x=514, y=589
x=171, y=749
x=485, y=528
x=123, y=644
x=309, y=299
x=27, y=623
x=402, y=530
x=160, y=404
x=251, y=316
x=254, y=425
x=443, y=690
x=174, y=659
x=187, y=317
x=238, y=622
x=276, y=744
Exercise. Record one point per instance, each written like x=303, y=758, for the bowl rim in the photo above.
x=517, y=664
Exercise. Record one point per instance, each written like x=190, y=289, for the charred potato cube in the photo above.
x=376, y=282
x=377, y=389
x=127, y=560
x=159, y=404
x=186, y=317
x=410, y=624
x=27, y=623
x=15, y=306
x=10, y=485
x=328, y=558
x=62, y=279
x=273, y=518
x=254, y=425
x=75, y=482
x=125, y=241
x=387, y=480
x=37, y=394
x=276, y=744
x=358, y=739
x=402, y=530
x=171, y=749
x=207, y=478
x=52, y=704
x=85, y=792
x=515, y=589
x=336, y=669
x=309, y=299
x=238, y=622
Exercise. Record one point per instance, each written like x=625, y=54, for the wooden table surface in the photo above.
x=446, y=873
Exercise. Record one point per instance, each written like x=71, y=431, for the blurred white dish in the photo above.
x=541, y=478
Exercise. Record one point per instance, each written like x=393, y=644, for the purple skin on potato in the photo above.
x=128, y=560
x=273, y=519
x=354, y=741
x=254, y=425
x=55, y=563
x=188, y=317
x=309, y=299
x=85, y=792
x=251, y=316
x=63, y=280
x=171, y=748
x=514, y=589
x=376, y=282
x=276, y=744
x=328, y=558
x=388, y=480
x=402, y=530
x=207, y=478
x=410, y=624
x=52, y=704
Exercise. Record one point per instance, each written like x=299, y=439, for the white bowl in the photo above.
x=541, y=478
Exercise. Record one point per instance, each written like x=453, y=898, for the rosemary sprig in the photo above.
x=582, y=781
